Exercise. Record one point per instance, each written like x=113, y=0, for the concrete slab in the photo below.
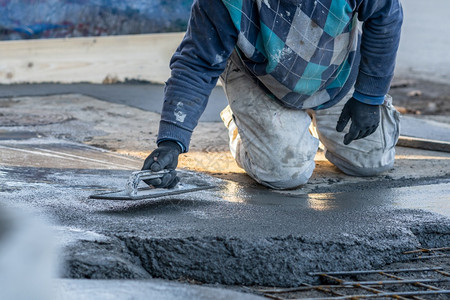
x=130, y=131
x=239, y=234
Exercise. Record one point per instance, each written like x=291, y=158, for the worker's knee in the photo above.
x=364, y=167
x=287, y=182
x=277, y=175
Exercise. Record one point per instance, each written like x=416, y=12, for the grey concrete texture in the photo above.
x=132, y=132
x=28, y=268
x=237, y=234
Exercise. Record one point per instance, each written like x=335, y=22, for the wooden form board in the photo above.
x=93, y=59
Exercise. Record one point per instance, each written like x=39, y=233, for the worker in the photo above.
x=285, y=64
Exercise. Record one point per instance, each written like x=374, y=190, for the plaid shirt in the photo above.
x=306, y=53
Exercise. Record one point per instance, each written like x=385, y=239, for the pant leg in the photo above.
x=364, y=157
x=270, y=142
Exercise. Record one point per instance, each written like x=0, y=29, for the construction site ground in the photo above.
x=59, y=144
x=59, y=149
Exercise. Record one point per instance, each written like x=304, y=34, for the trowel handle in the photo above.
x=136, y=177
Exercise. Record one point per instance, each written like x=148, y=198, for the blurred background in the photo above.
x=117, y=41
x=35, y=19
x=79, y=72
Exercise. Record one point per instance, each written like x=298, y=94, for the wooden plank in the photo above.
x=426, y=144
x=142, y=57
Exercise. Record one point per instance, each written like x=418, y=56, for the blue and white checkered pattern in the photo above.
x=298, y=48
x=306, y=53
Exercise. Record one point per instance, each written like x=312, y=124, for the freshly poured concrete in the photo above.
x=240, y=233
x=237, y=234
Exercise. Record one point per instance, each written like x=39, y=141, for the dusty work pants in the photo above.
x=274, y=145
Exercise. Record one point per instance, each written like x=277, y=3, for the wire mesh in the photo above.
x=402, y=283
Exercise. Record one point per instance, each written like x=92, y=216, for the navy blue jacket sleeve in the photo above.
x=382, y=21
x=196, y=66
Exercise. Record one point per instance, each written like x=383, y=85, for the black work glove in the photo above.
x=164, y=157
x=365, y=120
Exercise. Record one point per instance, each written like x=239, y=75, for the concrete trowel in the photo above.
x=133, y=191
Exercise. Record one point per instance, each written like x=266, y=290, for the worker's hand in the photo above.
x=164, y=157
x=365, y=120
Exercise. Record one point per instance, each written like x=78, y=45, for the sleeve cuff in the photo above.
x=182, y=147
x=372, y=85
x=371, y=100
x=172, y=132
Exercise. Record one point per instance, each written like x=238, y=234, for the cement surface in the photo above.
x=237, y=234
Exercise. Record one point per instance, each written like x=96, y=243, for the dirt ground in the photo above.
x=419, y=97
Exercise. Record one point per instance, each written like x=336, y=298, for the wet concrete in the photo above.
x=238, y=234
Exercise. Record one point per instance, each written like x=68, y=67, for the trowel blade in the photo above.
x=149, y=193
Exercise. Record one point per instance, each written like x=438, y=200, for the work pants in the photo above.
x=276, y=146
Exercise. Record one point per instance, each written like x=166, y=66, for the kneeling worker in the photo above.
x=283, y=65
